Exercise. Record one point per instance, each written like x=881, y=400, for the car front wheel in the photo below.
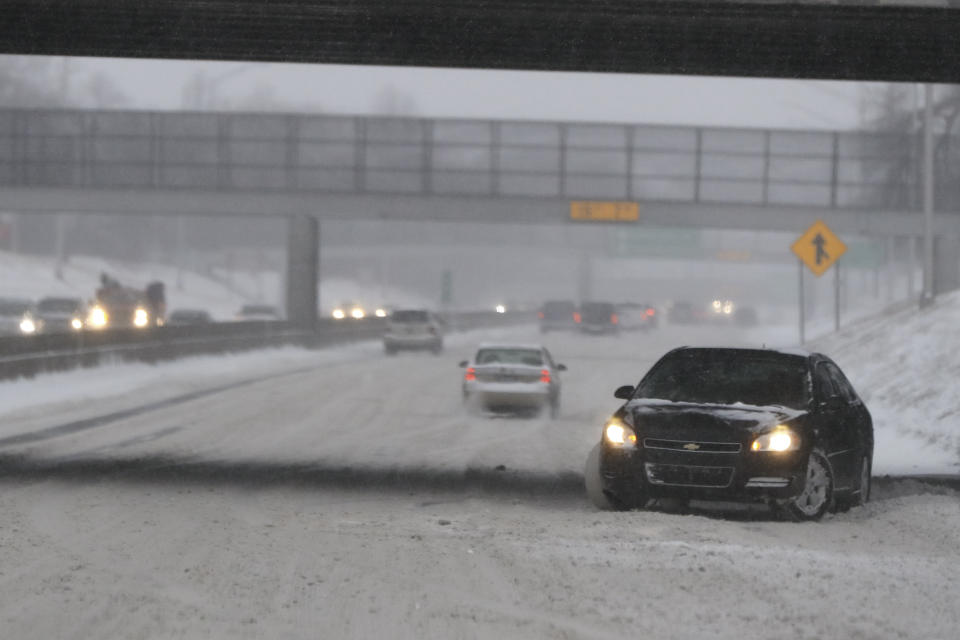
x=817, y=493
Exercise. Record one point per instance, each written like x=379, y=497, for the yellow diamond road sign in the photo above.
x=818, y=247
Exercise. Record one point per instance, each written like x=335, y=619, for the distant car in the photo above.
x=558, y=315
x=635, y=316
x=17, y=317
x=782, y=428
x=346, y=310
x=413, y=329
x=721, y=310
x=61, y=315
x=513, y=378
x=599, y=317
x=254, y=312
x=188, y=317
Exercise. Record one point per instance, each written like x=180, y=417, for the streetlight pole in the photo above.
x=928, y=264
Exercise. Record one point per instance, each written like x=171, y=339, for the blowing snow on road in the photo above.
x=341, y=494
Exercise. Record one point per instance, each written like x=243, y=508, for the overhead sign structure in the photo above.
x=594, y=211
x=819, y=248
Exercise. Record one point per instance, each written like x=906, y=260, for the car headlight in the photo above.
x=619, y=434
x=140, y=317
x=357, y=313
x=781, y=439
x=76, y=323
x=381, y=313
x=501, y=309
x=27, y=325
x=339, y=314
x=98, y=317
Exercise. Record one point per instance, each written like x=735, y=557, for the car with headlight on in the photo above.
x=18, y=317
x=61, y=315
x=346, y=310
x=782, y=428
x=120, y=307
x=512, y=378
x=413, y=329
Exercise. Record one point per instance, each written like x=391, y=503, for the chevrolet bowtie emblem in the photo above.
x=693, y=446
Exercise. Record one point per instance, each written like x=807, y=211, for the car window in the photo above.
x=825, y=383
x=531, y=357
x=841, y=383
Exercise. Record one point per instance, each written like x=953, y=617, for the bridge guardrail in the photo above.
x=27, y=356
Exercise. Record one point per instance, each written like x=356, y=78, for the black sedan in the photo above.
x=785, y=428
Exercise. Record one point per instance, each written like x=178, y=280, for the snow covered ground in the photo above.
x=905, y=366
x=344, y=494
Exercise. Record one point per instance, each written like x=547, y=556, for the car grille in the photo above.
x=689, y=476
x=693, y=446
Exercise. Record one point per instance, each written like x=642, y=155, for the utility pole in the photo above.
x=928, y=294
x=60, y=238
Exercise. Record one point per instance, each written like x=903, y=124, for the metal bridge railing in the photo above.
x=346, y=154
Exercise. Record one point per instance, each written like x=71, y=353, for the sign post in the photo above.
x=819, y=248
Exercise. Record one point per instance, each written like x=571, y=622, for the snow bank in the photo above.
x=905, y=366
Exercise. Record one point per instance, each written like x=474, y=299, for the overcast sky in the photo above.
x=158, y=84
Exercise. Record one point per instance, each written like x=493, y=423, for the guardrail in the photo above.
x=27, y=356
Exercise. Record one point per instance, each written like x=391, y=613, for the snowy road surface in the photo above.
x=346, y=494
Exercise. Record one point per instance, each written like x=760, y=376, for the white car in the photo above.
x=413, y=329
x=515, y=378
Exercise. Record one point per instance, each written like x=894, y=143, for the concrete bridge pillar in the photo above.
x=946, y=264
x=303, y=266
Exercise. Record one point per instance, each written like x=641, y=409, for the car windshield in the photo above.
x=14, y=307
x=597, y=312
x=722, y=378
x=58, y=305
x=531, y=357
x=410, y=316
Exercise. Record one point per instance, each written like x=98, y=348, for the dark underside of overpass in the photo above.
x=789, y=40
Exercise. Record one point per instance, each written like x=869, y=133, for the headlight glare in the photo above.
x=27, y=325
x=77, y=324
x=619, y=434
x=98, y=317
x=781, y=439
x=140, y=317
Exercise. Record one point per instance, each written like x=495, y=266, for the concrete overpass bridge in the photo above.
x=309, y=168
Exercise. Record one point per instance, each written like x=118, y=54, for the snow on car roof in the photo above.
x=783, y=351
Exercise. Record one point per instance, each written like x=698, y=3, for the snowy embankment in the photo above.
x=221, y=293
x=905, y=366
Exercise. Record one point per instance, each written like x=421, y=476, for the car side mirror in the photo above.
x=561, y=367
x=463, y=363
x=625, y=392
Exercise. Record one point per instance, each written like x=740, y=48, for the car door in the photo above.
x=837, y=437
x=858, y=423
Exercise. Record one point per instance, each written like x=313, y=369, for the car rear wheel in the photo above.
x=817, y=494
x=861, y=495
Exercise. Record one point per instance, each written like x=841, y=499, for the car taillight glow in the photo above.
x=471, y=374
x=651, y=312
x=576, y=317
x=545, y=376
x=540, y=315
x=614, y=319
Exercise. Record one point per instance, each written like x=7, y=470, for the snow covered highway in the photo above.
x=342, y=493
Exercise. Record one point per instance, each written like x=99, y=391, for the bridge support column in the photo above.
x=946, y=264
x=585, y=277
x=303, y=266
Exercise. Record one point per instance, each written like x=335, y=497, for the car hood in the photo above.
x=686, y=420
